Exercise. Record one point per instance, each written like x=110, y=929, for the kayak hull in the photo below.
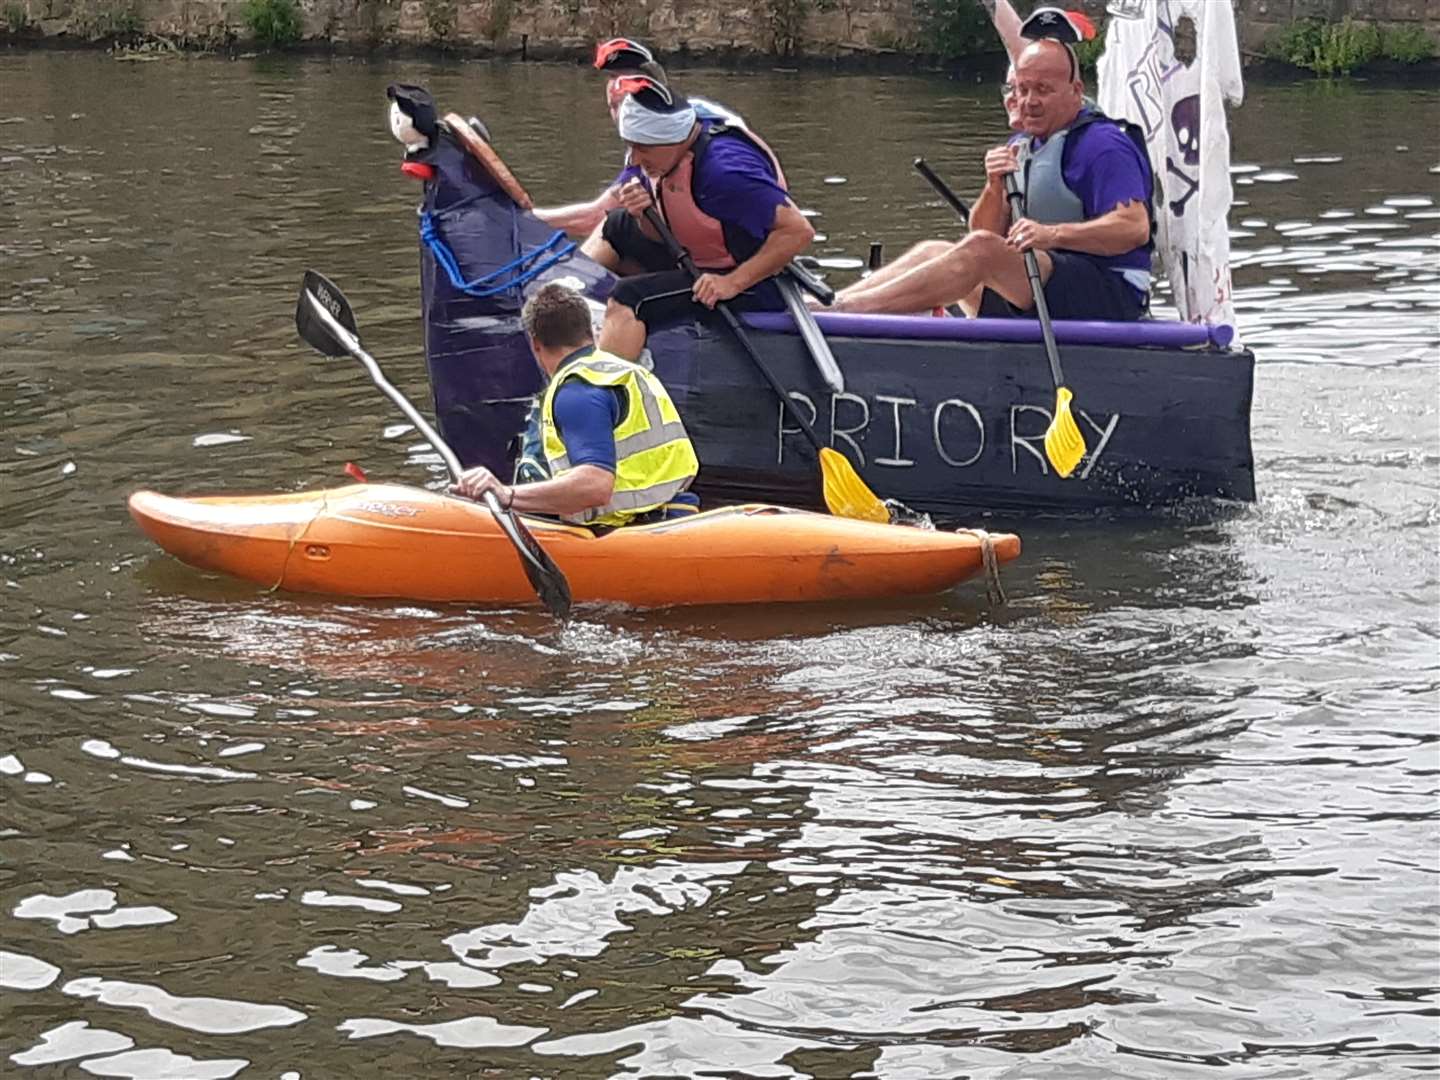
x=386, y=540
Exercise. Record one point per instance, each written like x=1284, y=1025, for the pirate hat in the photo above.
x=622, y=54
x=1068, y=27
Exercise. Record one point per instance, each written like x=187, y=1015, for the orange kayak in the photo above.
x=385, y=540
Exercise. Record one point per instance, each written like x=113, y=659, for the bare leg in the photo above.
x=622, y=334
x=982, y=259
x=922, y=252
x=599, y=249
x=970, y=302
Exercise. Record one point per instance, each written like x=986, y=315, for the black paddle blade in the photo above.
x=311, y=327
x=549, y=583
x=547, y=579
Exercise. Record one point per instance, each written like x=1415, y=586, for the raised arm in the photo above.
x=1007, y=25
x=991, y=211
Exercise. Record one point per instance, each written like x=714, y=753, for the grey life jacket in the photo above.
x=1049, y=200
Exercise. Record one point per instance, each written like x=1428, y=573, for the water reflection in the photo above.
x=1172, y=810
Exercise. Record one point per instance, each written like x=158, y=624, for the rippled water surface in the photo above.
x=1172, y=810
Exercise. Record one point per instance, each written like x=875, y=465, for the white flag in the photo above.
x=1182, y=112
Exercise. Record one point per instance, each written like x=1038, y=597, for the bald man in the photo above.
x=1087, y=185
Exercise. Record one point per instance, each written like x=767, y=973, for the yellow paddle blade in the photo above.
x=845, y=493
x=1064, y=445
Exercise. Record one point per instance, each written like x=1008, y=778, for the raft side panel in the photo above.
x=953, y=426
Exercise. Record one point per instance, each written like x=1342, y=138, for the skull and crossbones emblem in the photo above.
x=1185, y=122
x=1185, y=119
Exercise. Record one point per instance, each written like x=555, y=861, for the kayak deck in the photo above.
x=388, y=540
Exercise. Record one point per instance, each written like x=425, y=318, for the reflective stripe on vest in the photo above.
x=700, y=234
x=654, y=460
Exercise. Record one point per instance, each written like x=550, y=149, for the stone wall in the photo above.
x=840, y=29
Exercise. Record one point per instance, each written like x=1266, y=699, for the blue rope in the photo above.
x=487, y=285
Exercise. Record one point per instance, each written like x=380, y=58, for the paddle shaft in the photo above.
x=1037, y=287
x=452, y=463
x=321, y=300
x=733, y=321
x=355, y=349
x=943, y=190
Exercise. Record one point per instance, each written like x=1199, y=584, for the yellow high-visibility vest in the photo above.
x=654, y=460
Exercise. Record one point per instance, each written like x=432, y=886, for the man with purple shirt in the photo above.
x=622, y=58
x=1087, y=188
x=721, y=192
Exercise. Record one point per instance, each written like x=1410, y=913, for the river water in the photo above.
x=1172, y=809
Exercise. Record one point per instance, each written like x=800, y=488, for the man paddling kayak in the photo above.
x=621, y=58
x=614, y=446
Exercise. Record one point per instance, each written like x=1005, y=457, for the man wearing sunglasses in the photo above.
x=721, y=192
x=619, y=59
x=1087, y=186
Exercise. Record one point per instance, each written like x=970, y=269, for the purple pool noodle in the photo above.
x=1153, y=333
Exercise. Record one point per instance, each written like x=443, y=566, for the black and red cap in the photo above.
x=652, y=93
x=1068, y=27
x=622, y=54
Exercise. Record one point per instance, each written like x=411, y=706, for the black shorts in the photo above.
x=623, y=233
x=661, y=295
x=1079, y=288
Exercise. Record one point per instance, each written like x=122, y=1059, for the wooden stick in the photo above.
x=485, y=154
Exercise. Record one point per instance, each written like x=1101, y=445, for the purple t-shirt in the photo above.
x=1105, y=169
x=735, y=183
x=628, y=173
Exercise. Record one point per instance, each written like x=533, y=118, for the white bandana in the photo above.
x=638, y=124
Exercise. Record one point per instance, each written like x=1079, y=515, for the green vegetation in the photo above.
x=1406, y=44
x=1330, y=48
x=1325, y=48
x=275, y=24
x=440, y=20
x=892, y=40
x=125, y=24
x=1088, y=52
x=954, y=28
x=17, y=19
x=105, y=23
x=785, y=20
x=787, y=24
